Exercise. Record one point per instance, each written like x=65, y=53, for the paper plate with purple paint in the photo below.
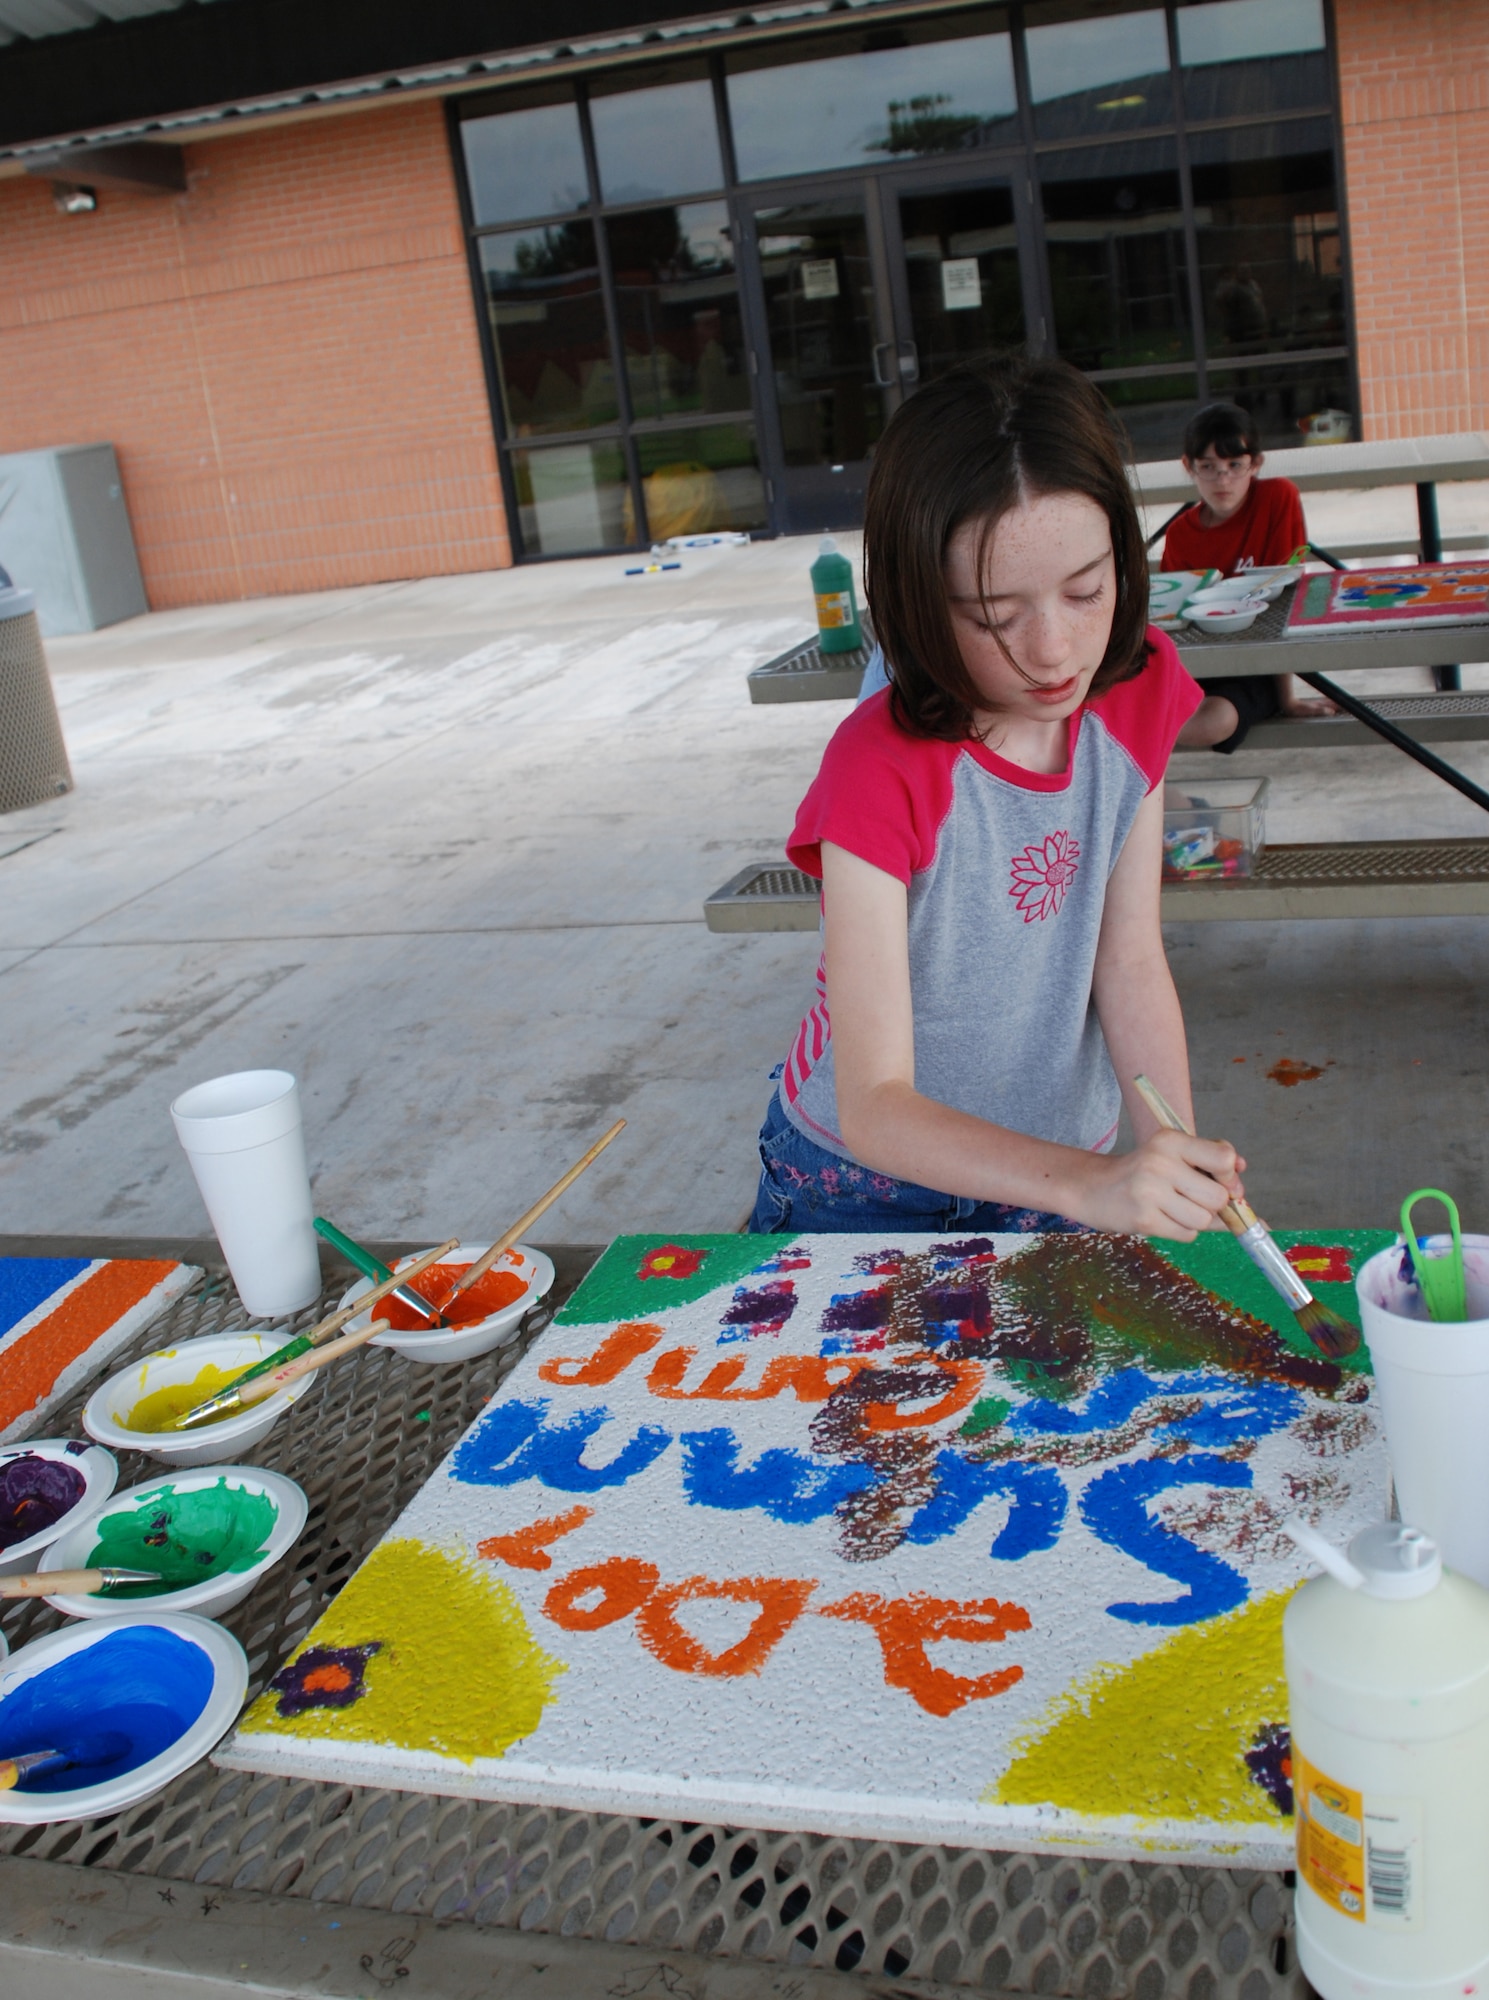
x=125, y=1704
x=46, y=1486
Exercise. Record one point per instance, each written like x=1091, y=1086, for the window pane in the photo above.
x=678, y=299
x=1153, y=410
x=700, y=481
x=1115, y=233
x=572, y=498
x=819, y=303
x=1097, y=72
x=628, y=126
x=962, y=268
x=525, y=163
x=1284, y=399
x=1252, y=57
x=870, y=98
x=548, y=328
x=1270, y=253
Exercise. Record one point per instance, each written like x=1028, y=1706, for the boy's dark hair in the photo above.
x=1225, y=427
x=969, y=447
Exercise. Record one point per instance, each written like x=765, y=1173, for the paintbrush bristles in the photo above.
x=1330, y=1334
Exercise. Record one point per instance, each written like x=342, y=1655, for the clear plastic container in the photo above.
x=1213, y=828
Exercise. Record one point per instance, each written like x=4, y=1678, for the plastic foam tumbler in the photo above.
x=1432, y=1378
x=243, y=1138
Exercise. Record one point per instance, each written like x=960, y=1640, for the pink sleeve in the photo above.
x=879, y=794
x=1146, y=713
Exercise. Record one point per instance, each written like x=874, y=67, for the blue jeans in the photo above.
x=803, y=1187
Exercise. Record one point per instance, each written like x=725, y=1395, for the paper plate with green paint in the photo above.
x=211, y=1530
x=974, y=1540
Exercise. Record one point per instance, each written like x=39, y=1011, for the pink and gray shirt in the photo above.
x=1006, y=871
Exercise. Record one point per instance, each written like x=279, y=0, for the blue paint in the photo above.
x=142, y=1686
x=790, y=1486
x=515, y=1442
x=858, y=1312
x=25, y=1282
x=1254, y=1410
x=1114, y=1508
x=1110, y=1403
x=962, y=1484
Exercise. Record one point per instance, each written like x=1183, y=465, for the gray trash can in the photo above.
x=33, y=757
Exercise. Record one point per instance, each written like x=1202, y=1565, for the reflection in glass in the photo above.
x=1251, y=57
x=962, y=268
x=864, y=99
x=1270, y=252
x=572, y=498
x=1118, y=279
x=656, y=142
x=525, y=163
x=701, y=480
x=819, y=302
x=1283, y=399
x=677, y=295
x=1153, y=410
x=548, y=328
x=1091, y=73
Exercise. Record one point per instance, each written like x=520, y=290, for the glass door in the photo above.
x=963, y=276
x=823, y=352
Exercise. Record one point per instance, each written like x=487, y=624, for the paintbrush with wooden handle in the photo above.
x=1330, y=1334
x=263, y=1386
x=73, y=1582
x=524, y=1222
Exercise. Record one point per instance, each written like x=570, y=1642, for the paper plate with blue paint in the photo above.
x=129, y=1703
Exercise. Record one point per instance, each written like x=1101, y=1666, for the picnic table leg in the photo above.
x=1431, y=540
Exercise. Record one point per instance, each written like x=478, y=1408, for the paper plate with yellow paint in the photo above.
x=973, y=1540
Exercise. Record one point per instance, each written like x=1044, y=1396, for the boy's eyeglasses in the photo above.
x=1224, y=468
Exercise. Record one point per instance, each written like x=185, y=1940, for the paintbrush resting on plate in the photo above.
x=372, y=1267
x=264, y=1386
x=73, y=1582
x=524, y=1222
x=1330, y=1334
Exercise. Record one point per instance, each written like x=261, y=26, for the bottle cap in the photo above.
x=827, y=546
x=1396, y=1561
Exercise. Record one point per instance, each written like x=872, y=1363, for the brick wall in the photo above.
x=1414, y=77
x=285, y=358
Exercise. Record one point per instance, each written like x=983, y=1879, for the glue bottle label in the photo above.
x=834, y=610
x=1360, y=1854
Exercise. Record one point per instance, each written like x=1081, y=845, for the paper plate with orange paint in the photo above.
x=485, y=1317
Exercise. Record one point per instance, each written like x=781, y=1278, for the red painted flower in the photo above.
x=1321, y=1263
x=1042, y=874
x=670, y=1260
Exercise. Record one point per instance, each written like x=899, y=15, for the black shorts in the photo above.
x=1254, y=697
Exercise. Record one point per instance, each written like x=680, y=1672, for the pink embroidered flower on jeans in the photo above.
x=1042, y=874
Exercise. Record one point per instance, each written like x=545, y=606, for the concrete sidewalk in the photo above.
x=441, y=848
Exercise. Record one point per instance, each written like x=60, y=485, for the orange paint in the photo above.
x=906, y=1625
x=781, y=1599
x=34, y=1361
x=624, y=1582
x=489, y=1294
x=611, y=1358
x=526, y=1547
x=811, y=1378
x=1289, y=1073
x=967, y=1380
x=332, y=1679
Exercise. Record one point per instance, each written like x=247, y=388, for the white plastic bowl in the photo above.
x=1228, y=591
x=463, y=1342
x=1233, y=616
x=99, y=1473
x=214, y=1444
x=209, y=1599
x=228, y=1665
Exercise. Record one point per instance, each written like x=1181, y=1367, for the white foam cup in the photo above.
x=1432, y=1379
x=243, y=1137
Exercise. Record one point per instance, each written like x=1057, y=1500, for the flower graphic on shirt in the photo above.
x=1042, y=874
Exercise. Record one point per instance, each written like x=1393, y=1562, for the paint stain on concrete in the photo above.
x=1289, y=1073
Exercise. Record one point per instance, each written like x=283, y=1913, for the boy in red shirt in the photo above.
x=1240, y=523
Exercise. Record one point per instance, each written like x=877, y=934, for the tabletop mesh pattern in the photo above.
x=361, y=1443
x=780, y=882
x=1375, y=861
x=33, y=757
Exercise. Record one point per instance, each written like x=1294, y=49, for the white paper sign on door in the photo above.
x=819, y=278
x=961, y=284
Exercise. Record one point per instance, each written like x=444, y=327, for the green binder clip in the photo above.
x=1440, y=1275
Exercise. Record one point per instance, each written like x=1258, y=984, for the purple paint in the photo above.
x=35, y=1493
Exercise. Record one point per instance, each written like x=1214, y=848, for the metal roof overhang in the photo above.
x=173, y=71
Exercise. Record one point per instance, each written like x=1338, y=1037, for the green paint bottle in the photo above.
x=838, y=629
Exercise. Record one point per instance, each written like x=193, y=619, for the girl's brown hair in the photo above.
x=968, y=448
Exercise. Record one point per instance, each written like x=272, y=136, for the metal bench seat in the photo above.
x=1430, y=718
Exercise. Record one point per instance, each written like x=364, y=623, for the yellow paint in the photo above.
x=459, y=1672
x=1165, y=1737
x=158, y=1410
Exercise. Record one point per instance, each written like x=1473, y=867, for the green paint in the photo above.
x=1216, y=1261
x=985, y=1415
x=188, y=1536
x=612, y=1291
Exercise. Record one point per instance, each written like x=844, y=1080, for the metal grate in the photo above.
x=806, y=673
x=33, y=756
x=361, y=1444
x=765, y=897
x=1380, y=862
x=780, y=882
x=1422, y=707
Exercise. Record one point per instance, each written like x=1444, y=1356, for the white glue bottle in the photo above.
x=1388, y=1690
